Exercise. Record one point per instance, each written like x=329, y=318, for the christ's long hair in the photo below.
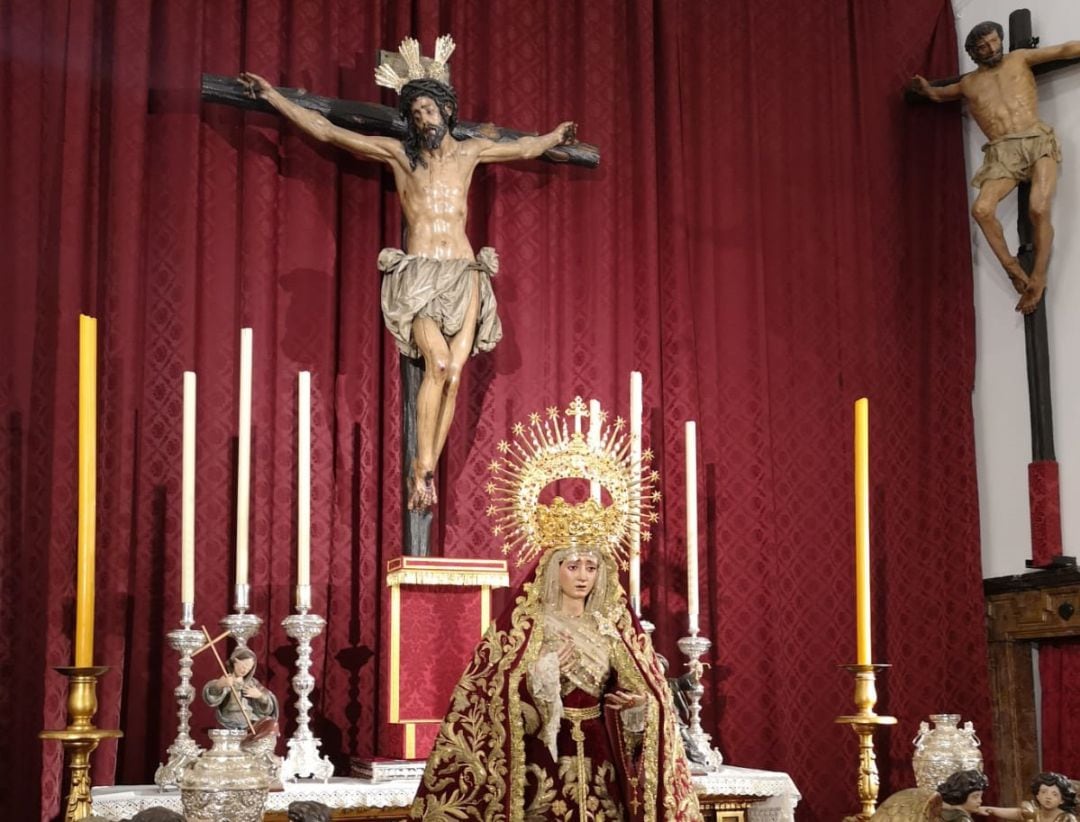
x=445, y=100
x=980, y=31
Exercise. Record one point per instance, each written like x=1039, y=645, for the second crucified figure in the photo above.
x=437, y=299
x=1003, y=100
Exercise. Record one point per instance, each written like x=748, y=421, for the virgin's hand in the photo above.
x=621, y=700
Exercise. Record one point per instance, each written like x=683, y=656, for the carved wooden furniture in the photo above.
x=1022, y=610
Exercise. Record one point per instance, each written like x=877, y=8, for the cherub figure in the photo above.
x=961, y=795
x=1054, y=801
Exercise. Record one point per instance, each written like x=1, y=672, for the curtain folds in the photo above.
x=771, y=234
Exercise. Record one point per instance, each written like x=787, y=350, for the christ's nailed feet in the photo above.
x=1031, y=297
x=422, y=495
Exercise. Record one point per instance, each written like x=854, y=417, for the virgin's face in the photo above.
x=242, y=667
x=577, y=576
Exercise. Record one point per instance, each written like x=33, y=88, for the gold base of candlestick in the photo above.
x=80, y=738
x=863, y=723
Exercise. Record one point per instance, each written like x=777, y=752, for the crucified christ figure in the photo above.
x=1002, y=98
x=437, y=299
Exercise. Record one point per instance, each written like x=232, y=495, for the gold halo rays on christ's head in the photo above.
x=545, y=451
x=415, y=68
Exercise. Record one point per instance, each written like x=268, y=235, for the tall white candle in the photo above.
x=303, y=485
x=691, y=526
x=594, y=442
x=243, y=471
x=635, y=464
x=187, y=495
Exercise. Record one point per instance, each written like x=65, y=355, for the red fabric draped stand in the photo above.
x=772, y=233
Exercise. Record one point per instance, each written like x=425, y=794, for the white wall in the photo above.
x=1002, y=424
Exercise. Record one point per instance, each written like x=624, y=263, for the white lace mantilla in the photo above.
x=123, y=802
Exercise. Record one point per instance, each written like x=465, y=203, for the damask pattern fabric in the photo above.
x=771, y=234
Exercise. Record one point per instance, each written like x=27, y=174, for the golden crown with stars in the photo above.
x=549, y=449
x=415, y=68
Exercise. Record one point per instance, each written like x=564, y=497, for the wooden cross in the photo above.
x=1045, y=499
x=373, y=118
x=1042, y=471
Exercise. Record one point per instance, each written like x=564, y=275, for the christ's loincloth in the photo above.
x=1013, y=156
x=415, y=286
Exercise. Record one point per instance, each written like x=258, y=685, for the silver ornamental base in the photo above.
x=706, y=757
x=242, y=625
x=303, y=759
x=184, y=750
x=225, y=783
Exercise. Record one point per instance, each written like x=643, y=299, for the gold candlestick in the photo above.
x=863, y=723
x=80, y=738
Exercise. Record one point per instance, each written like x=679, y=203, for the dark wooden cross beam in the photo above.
x=1043, y=489
x=372, y=118
x=1029, y=42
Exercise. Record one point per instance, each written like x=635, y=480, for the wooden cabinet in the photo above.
x=1020, y=611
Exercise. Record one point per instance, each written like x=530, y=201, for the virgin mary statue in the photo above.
x=563, y=713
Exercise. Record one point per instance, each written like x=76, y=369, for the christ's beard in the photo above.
x=433, y=136
x=993, y=59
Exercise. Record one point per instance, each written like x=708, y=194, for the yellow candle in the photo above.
x=87, y=467
x=862, y=531
x=594, y=442
x=303, y=484
x=635, y=465
x=187, y=494
x=691, y=526
x=243, y=452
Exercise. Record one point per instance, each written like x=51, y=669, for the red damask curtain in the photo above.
x=1059, y=670
x=772, y=233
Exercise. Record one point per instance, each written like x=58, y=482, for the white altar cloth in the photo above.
x=124, y=801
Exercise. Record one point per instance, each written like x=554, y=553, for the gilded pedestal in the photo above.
x=863, y=722
x=80, y=738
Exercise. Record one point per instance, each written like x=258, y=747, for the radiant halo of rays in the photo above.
x=549, y=448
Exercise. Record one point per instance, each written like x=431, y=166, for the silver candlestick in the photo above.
x=184, y=750
x=694, y=647
x=303, y=759
x=242, y=625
